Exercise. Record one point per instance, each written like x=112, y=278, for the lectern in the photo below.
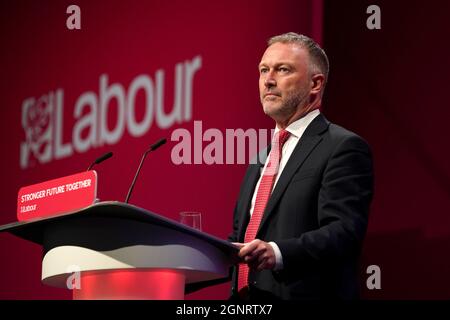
x=114, y=250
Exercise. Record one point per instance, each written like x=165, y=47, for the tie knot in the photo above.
x=283, y=135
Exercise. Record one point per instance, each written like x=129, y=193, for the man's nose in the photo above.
x=270, y=81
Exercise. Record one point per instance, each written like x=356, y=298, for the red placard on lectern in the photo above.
x=57, y=196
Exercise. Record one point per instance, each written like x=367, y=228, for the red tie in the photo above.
x=262, y=197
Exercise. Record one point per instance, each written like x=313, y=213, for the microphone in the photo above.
x=100, y=159
x=153, y=147
x=157, y=144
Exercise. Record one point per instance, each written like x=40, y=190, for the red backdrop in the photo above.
x=74, y=70
x=388, y=85
x=391, y=86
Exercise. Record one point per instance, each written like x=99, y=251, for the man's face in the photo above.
x=284, y=80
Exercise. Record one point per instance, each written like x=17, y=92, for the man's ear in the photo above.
x=318, y=82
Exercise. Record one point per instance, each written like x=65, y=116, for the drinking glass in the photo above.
x=192, y=219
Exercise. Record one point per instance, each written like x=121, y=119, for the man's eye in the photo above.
x=283, y=69
x=263, y=70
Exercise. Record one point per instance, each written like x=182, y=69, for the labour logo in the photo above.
x=37, y=126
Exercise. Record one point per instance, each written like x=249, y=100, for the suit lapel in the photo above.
x=304, y=147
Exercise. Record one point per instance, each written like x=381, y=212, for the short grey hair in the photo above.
x=318, y=58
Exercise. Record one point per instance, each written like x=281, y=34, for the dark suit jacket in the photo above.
x=317, y=215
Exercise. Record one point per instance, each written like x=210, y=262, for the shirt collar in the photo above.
x=298, y=127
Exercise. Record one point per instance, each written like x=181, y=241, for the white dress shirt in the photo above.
x=296, y=129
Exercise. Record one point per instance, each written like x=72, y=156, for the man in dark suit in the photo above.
x=302, y=212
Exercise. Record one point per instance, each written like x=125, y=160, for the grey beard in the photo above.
x=293, y=103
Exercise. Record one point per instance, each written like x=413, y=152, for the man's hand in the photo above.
x=257, y=254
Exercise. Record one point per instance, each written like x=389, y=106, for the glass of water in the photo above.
x=192, y=219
